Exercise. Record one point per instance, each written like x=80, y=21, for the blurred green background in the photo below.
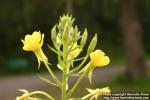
x=123, y=28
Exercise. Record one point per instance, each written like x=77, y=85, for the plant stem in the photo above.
x=64, y=85
x=52, y=74
x=78, y=67
x=65, y=71
x=76, y=84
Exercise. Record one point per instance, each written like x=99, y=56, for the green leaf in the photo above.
x=52, y=49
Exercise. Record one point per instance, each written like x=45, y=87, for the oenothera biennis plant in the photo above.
x=68, y=43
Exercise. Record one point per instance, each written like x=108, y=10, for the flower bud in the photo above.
x=66, y=32
x=92, y=44
x=84, y=38
x=76, y=34
x=58, y=41
x=53, y=34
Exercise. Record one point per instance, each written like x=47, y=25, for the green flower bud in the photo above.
x=53, y=34
x=66, y=19
x=84, y=38
x=92, y=44
x=66, y=33
x=58, y=41
x=65, y=27
x=77, y=34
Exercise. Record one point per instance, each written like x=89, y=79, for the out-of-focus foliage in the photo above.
x=144, y=15
x=125, y=84
x=19, y=17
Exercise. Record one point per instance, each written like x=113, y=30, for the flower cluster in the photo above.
x=68, y=43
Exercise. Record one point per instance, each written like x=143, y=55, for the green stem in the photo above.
x=42, y=93
x=64, y=85
x=77, y=68
x=76, y=84
x=78, y=59
x=47, y=81
x=52, y=74
x=65, y=71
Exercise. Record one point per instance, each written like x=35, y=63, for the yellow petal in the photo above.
x=28, y=39
x=36, y=36
x=33, y=42
x=42, y=39
x=27, y=48
x=98, y=58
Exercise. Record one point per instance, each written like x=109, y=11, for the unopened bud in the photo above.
x=84, y=38
x=53, y=34
x=92, y=44
x=66, y=33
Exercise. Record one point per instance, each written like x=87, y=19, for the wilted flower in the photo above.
x=99, y=59
x=95, y=93
x=25, y=96
x=34, y=43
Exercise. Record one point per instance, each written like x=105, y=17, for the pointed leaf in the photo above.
x=47, y=80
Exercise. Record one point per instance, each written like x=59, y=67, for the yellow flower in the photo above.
x=95, y=93
x=98, y=59
x=75, y=51
x=34, y=43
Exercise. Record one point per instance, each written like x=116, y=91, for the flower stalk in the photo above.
x=52, y=74
x=78, y=81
